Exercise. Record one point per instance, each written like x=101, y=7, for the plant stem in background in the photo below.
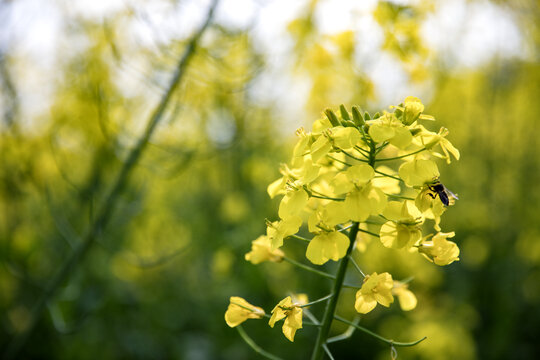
x=103, y=216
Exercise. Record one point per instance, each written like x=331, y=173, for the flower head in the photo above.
x=292, y=313
x=377, y=288
x=240, y=310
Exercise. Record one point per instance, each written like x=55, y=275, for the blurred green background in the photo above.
x=78, y=81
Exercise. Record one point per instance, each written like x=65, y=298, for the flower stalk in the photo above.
x=332, y=303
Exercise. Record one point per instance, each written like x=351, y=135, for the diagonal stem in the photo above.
x=103, y=216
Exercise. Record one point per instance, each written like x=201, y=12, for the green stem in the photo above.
x=308, y=268
x=362, y=151
x=388, y=341
x=326, y=197
x=331, y=305
x=316, y=301
x=356, y=266
x=299, y=238
x=354, y=157
x=254, y=346
x=339, y=161
x=399, y=197
x=388, y=175
x=368, y=232
x=402, y=156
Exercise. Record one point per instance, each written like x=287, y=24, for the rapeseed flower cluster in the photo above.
x=351, y=169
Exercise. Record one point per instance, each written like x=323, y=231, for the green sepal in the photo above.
x=357, y=116
x=367, y=116
x=332, y=117
x=344, y=112
x=377, y=115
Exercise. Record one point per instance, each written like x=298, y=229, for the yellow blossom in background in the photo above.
x=377, y=288
x=292, y=314
x=439, y=250
x=407, y=300
x=261, y=250
x=240, y=310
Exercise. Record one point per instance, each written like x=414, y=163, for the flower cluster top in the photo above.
x=352, y=168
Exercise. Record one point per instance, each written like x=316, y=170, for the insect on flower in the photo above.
x=447, y=197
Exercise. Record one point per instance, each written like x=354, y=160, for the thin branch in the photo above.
x=308, y=268
x=388, y=175
x=316, y=301
x=339, y=161
x=354, y=157
x=399, y=197
x=327, y=351
x=368, y=232
x=298, y=238
x=369, y=332
x=356, y=266
x=347, y=333
x=254, y=346
x=402, y=156
x=104, y=215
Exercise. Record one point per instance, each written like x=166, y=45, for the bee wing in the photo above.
x=451, y=193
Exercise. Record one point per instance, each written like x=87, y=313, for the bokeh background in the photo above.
x=78, y=82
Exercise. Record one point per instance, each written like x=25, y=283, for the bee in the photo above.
x=447, y=197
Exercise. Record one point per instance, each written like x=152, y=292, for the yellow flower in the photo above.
x=403, y=229
x=345, y=137
x=292, y=314
x=356, y=175
x=364, y=201
x=439, y=250
x=293, y=204
x=320, y=147
x=430, y=139
x=407, y=300
x=418, y=172
x=327, y=245
x=278, y=230
x=303, y=172
x=389, y=128
x=261, y=250
x=240, y=310
x=377, y=288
